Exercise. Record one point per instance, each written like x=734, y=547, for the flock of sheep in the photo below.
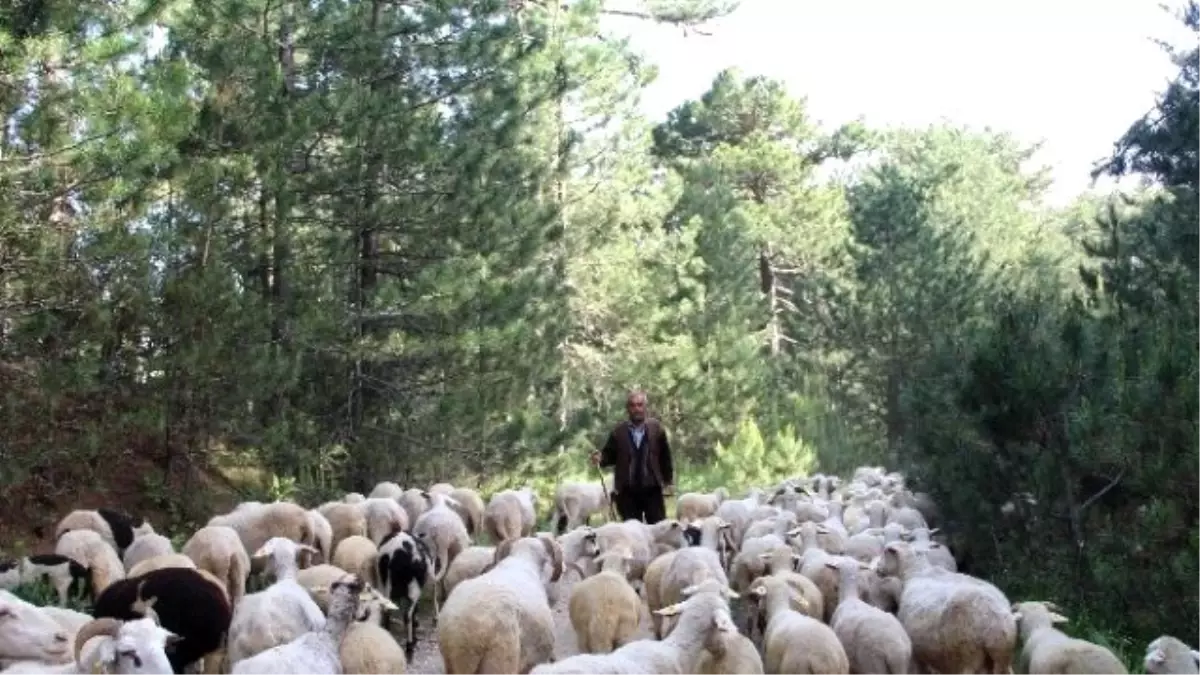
x=815, y=575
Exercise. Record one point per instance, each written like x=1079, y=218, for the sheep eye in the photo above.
x=132, y=656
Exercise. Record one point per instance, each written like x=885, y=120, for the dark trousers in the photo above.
x=645, y=504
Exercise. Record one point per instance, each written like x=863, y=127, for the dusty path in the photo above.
x=428, y=659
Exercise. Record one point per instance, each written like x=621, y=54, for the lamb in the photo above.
x=182, y=601
x=112, y=646
x=281, y=612
x=701, y=620
x=218, y=550
x=316, y=651
x=576, y=503
x=693, y=506
x=61, y=572
x=405, y=565
x=444, y=534
x=469, y=506
x=1045, y=649
x=500, y=621
x=357, y=555
x=604, y=608
x=255, y=523
x=511, y=514
x=874, y=640
x=579, y=547
x=117, y=529
x=781, y=562
x=146, y=546
x=957, y=623
x=794, y=642
x=1168, y=654
x=28, y=634
x=89, y=549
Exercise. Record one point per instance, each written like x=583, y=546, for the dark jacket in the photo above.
x=619, y=452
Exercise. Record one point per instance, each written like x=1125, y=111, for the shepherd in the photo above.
x=643, y=472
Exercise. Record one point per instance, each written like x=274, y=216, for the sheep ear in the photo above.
x=794, y=533
x=1017, y=616
x=764, y=556
x=690, y=590
x=669, y=611
x=831, y=565
x=731, y=594
x=1055, y=617
x=1196, y=656
x=934, y=531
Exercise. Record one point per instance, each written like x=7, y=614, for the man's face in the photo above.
x=636, y=407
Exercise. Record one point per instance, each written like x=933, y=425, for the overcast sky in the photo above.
x=1075, y=73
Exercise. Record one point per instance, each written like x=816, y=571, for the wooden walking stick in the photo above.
x=612, y=511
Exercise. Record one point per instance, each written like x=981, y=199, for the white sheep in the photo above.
x=322, y=536
x=470, y=563
x=357, y=554
x=794, y=642
x=109, y=645
x=159, y=562
x=59, y=571
x=692, y=506
x=694, y=564
x=511, y=514
x=957, y=623
x=383, y=516
x=28, y=634
x=1045, y=649
x=576, y=503
x=369, y=648
x=146, y=546
x=469, y=506
x=387, y=490
x=315, y=651
x=1167, y=654
x=501, y=621
x=921, y=540
x=277, y=614
x=874, y=640
x=90, y=550
x=257, y=522
x=604, y=608
x=345, y=520
x=443, y=532
x=643, y=540
x=117, y=529
x=414, y=502
x=700, y=621
x=218, y=550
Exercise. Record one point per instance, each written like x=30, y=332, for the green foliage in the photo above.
x=751, y=461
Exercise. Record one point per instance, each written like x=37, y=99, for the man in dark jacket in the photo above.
x=641, y=455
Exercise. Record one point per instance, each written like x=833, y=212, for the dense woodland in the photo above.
x=321, y=243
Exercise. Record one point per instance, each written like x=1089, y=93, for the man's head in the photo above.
x=635, y=405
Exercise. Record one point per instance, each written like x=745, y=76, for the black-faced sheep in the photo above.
x=404, y=566
x=184, y=602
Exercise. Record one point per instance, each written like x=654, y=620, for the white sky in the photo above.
x=1074, y=73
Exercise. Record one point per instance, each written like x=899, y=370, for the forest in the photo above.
x=275, y=249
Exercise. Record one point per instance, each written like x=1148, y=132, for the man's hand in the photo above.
x=594, y=458
x=668, y=490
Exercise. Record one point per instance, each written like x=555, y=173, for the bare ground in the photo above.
x=428, y=659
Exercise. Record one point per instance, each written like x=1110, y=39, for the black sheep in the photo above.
x=404, y=565
x=184, y=602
